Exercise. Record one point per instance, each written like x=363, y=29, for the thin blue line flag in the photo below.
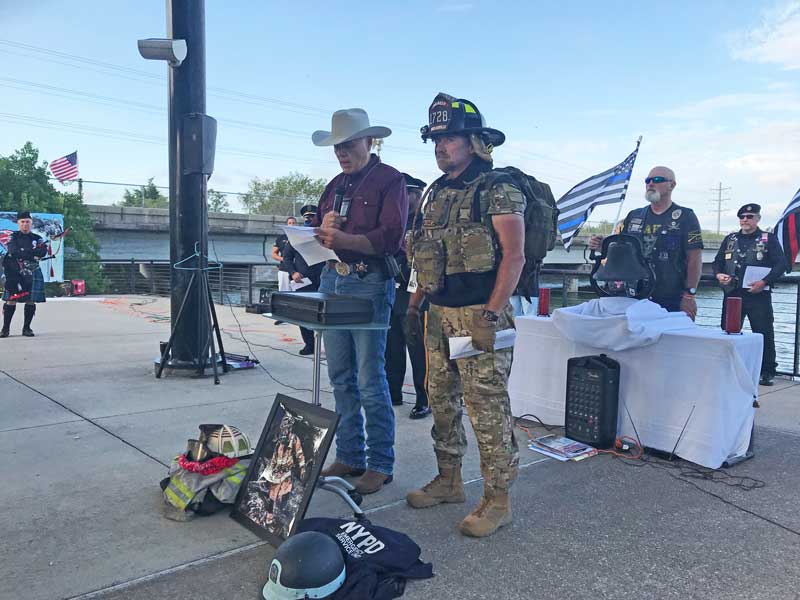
x=609, y=187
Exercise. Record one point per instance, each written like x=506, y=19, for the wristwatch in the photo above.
x=490, y=316
x=690, y=291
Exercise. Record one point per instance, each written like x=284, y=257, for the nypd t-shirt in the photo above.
x=666, y=238
x=377, y=560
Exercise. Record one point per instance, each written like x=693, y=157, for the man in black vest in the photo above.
x=751, y=247
x=671, y=241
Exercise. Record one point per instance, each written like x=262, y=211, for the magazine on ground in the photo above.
x=561, y=448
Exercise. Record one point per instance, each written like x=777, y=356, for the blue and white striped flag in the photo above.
x=609, y=187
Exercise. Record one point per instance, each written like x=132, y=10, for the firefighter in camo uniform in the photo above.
x=467, y=259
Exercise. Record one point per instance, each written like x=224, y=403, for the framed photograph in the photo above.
x=284, y=469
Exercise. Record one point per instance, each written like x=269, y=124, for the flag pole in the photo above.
x=621, y=202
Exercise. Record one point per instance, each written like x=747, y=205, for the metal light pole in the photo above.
x=192, y=136
x=188, y=211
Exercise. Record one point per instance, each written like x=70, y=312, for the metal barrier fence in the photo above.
x=570, y=287
x=237, y=284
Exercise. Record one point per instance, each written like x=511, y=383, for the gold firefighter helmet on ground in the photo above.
x=226, y=440
x=448, y=115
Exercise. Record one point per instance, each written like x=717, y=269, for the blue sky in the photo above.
x=712, y=87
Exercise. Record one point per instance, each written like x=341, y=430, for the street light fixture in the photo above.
x=172, y=51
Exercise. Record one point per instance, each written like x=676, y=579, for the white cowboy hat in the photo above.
x=348, y=124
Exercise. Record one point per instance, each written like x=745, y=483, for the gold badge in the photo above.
x=343, y=269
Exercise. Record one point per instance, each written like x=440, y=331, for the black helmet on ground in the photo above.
x=621, y=269
x=306, y=565
x=448, y=115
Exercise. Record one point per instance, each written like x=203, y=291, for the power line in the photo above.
x=245, y=97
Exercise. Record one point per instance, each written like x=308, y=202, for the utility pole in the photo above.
x=719, y=200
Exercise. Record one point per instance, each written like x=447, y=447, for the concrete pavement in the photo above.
x=86, y=431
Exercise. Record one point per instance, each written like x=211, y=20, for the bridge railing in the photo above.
x=233, y=283
x=239, y=284
x=571, y=286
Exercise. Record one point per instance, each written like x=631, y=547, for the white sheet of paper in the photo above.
x=461, y=347
x=294, y=286
x=304, y=241
x=753, y=274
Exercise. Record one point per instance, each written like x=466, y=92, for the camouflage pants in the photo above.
x=483, y=382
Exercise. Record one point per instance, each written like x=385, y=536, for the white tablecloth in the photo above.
x=700, y=368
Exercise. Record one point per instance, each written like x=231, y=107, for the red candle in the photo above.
x=544, y=302
x=733, y=315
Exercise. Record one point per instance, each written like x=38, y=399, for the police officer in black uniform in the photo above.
x=298, y=269
x=396, y=340
x=751, y=247
x=671, y=242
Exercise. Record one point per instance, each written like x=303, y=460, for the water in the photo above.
x=709, y=312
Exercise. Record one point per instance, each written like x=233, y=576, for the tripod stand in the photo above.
x=200, y=278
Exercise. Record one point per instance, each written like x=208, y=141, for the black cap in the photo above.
x=749, y=209
x=308, y=209
x=23, y=214
x=414, y=184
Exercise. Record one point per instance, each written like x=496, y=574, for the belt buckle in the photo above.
x=342, y=268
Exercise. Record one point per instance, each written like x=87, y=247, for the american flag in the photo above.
x=609, y=187
x=66, y=167
x=787, y=230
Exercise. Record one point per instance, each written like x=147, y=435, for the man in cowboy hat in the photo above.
x=405, y=334
x=24, y=279
x=752, y=247
x=468, y=258
x=362, y=216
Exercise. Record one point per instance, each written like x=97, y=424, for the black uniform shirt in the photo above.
x=23, y=246
x=280, y=244
x=378, y=560
x=666, y=238
x=741, y=250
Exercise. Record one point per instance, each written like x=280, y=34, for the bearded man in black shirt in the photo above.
x=671, y=242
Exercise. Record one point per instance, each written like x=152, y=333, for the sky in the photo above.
x=711, y=86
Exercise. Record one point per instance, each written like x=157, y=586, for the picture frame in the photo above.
x=284, y=468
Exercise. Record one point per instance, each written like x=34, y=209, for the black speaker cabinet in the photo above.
x=592, y=400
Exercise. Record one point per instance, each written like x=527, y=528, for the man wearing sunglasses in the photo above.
x=671, y=241
x=751, y=247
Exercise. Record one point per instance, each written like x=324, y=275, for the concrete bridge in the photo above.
x=143, y=234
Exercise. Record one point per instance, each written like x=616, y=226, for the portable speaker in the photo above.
x=592, y=400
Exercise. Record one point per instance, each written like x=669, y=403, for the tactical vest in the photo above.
x=453, y=239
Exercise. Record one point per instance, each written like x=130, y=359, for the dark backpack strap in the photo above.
x=488, y=180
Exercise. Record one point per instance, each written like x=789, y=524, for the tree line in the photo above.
x=281, y=196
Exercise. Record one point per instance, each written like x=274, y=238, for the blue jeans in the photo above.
x=358, y=376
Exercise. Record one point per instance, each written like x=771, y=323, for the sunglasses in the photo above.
x=656, y=179
x=747, y=217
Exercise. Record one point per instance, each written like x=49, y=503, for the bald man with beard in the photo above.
x=671, y=241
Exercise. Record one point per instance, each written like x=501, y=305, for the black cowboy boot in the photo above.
x=8, y=314
x=30, y=310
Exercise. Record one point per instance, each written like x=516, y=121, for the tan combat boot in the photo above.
x=447, y=486
x=490, y=515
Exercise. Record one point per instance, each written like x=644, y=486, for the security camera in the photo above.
x=173, y=51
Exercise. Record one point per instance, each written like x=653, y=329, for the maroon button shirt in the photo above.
x=378, y=210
